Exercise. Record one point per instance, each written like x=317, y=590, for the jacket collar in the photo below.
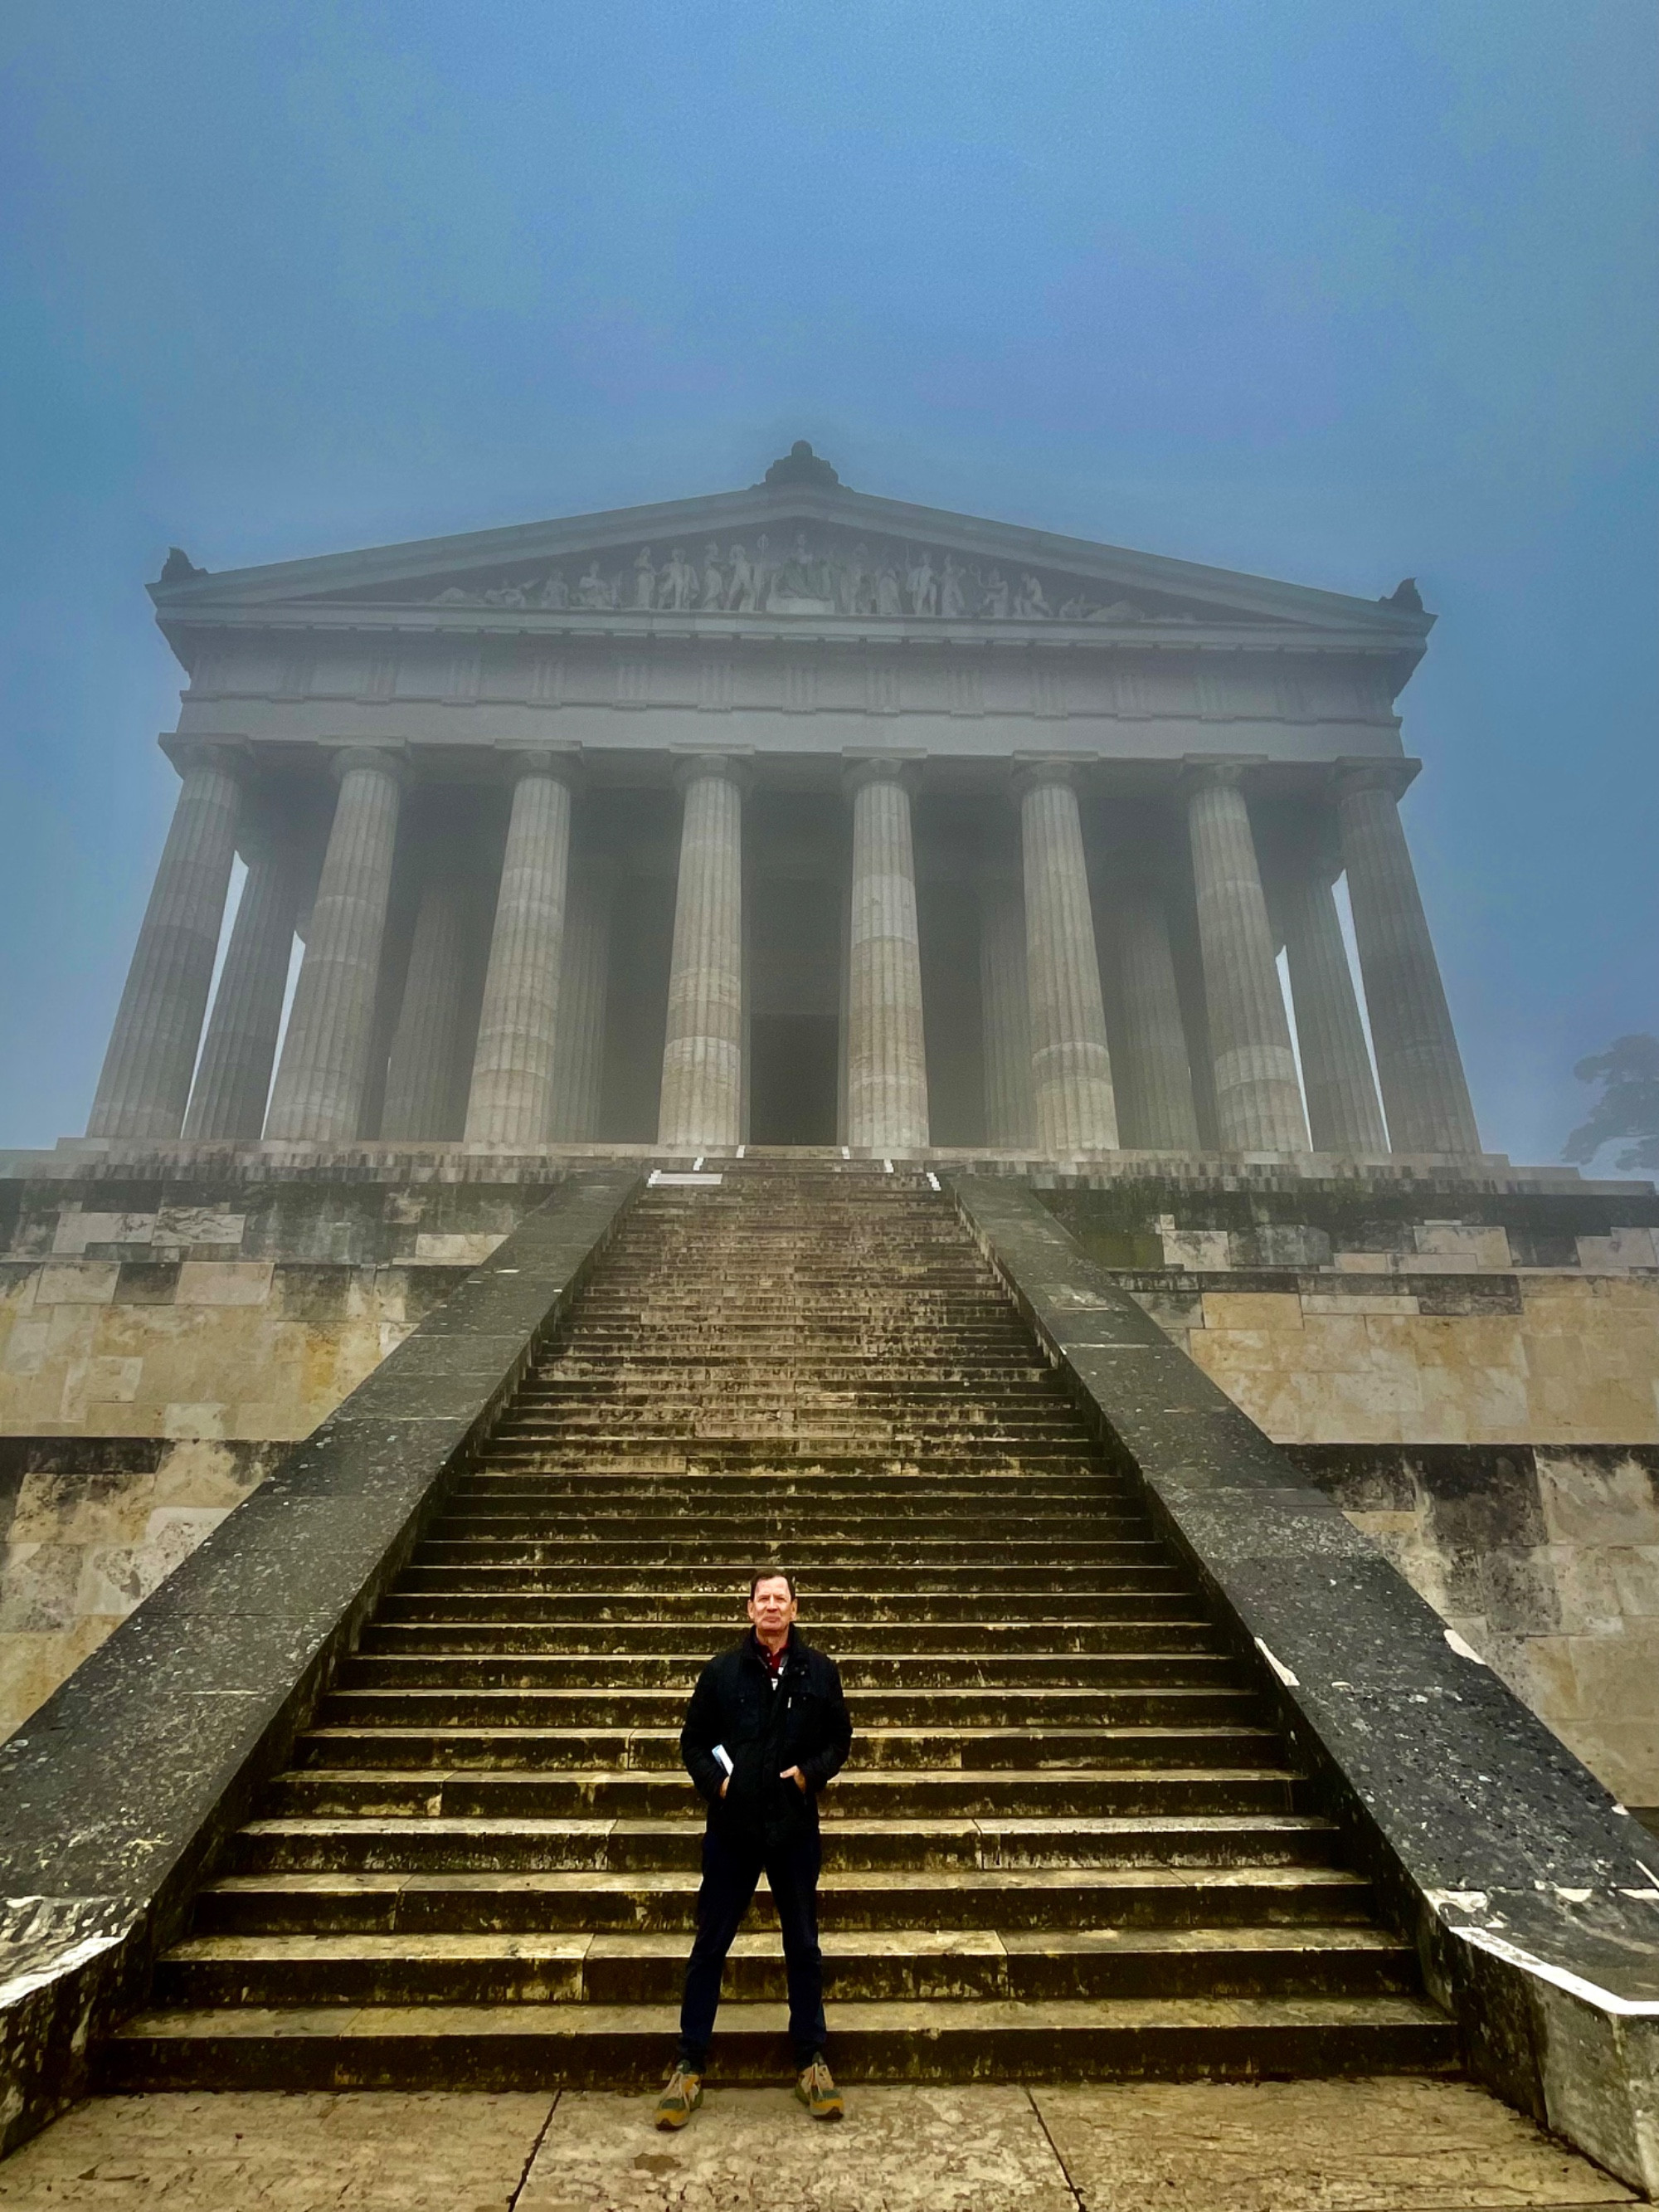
x=793, y=1647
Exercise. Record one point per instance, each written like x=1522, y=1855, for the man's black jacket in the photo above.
x=803, y=1722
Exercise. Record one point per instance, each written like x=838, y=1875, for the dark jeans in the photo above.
x=731, y=1868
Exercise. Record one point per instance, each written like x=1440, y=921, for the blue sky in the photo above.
x=1336, y=292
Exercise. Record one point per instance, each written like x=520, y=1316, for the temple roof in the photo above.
x=801, y=545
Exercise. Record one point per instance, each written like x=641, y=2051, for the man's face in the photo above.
x=772, y=1608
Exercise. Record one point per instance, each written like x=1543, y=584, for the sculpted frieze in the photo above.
x=805, y=576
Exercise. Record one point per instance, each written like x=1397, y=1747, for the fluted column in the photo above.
x=319, y=1093
x=1343, y=1112
x=234, y=1080
x=145, y=1081
x=1005, y=1013
x=510, y=1099
x=701, y=1101
x=1073, y=1106
x=1426, y=1093
x=1154, y=1081
x=421, y=1073
x=886, y=1049
x=1258, y=1098
x=583, y=987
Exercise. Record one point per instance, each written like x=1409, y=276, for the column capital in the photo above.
x=858, y=769
x=691, y=766
x=563, y=763
x=231, y=755
x=1032, y=771
x=385, y=760
x=1216, y=771
x=1363, y=772
x=265, y=833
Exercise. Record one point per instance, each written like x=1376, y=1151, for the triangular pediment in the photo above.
x=786, y=550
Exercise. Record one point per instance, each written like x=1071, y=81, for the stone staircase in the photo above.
x=1068, y=1842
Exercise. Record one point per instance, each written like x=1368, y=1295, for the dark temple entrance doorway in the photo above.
x=794, y=939
x=792, y=1078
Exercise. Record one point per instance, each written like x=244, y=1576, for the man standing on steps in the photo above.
x=767, y=1728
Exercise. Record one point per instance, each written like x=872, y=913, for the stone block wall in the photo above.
x=1474, y=1379
x=162, y=1343
x=1546, y=1561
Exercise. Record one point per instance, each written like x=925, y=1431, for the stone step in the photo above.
x=505, y=1669
x=546, y=2046
x=646, y=1708
x=898, y=1497
x=770, y=1459
x=849, y=1643
x=528, y=1900
x=600, y=1793
x=436, y=1843
x=1015, y=1750
x=689, y=1549
x=705, y=1616
x=497, y=1522
x=952, y=1583
x=1032, y=1966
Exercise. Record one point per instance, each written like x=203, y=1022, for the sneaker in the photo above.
x=816, y=2090
x=681, y=2095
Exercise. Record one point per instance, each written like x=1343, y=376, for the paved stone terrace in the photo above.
x=1366, y=2146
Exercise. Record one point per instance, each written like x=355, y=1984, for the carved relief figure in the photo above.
x=802, y=576
x=858, y=582
x=859, y=586
x=678, y=582
x=740, y=592
x=994, y=594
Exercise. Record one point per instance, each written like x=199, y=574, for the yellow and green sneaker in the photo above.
x=682, y=2093
x=815, y=2088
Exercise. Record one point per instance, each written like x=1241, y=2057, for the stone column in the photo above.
x=1258, y=1097
x=1155, y=1080
x=1074, y=1106
x=1005, y=1013
x=584, y=985
x=844, y=1010
x=319, y=1093
x=511, y=1100
x=234, y=1080
x=1425, y=1094
x=145, y=1081
x=1343, y=1112
x=421, y=1074
x=886, y=1049
x=701, y=1103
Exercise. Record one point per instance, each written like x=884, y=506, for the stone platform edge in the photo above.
x=1530, y=1894
x=115, y=1793
x=235, y=1161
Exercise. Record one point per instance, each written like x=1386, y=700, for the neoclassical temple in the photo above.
x=791, y=815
